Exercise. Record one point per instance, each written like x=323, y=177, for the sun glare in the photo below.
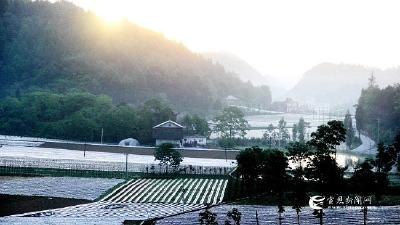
x=109, y=12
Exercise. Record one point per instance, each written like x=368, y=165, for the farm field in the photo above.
x=174, y=190
x=64, y=154
x=62, y=187
x=388, y=215
x=109, y=211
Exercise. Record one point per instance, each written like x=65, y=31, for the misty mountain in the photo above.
x=233, y=63
x=338, y=84
x=245, y=71
x=60, y=47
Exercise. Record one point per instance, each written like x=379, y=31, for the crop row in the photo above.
x=177, y=190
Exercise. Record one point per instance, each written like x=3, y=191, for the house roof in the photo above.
x=169, y=124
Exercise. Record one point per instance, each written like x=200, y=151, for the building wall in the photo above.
x=199, y=140
x=174, y=142
x=163, y=133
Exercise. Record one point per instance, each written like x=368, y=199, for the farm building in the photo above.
x=168, y=132
x=194, y=141
x=232, y=100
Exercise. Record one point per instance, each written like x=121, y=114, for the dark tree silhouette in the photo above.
x=367, y=182
x=233, y=215
x=207, y=217
x=274, y=175
x=322, y=167
x=168, y=155
x=299, y=194
x=250, y=163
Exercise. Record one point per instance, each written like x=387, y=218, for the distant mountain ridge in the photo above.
x=233, y=63
x=245, y=71
x=336, y=84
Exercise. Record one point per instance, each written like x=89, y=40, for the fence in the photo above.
x=118, y=168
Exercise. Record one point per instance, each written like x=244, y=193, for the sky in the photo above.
x=282, y=38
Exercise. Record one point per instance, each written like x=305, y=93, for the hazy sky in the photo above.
x=282, y=38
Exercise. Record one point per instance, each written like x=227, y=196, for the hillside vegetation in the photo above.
x=80, y=116
x=61, y=48
x=378, y=112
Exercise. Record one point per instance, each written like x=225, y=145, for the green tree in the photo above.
x=119, y=123
x=234, y=215
x=299, y=194
x=196, y=125
x=268, y=134
x=230, y=123
x=250, y=164
x=79, y=127
x=348, y=125
x=378, y=111
x=294, y=132
x=367, y=182
x=298, y=152
x=168, y=155
x=327, y=137
x=283, y=132
x=207, y=217
x=301, y=130
x=385, y=158
x=396, y=146
x=152, y=113
x=322, y=168
x=274, y=175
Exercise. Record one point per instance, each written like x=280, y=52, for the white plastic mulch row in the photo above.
x=128, y=211
x=35, y=157
x=176, y=190
x=62, y=187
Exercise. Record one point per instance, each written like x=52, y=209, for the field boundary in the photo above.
x=142, y=150
x=55, y=172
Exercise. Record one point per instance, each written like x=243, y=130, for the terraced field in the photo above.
x=174, y=190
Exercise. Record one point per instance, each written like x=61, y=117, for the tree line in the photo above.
x=314, y=169
x=378, y=112
x=80, y=116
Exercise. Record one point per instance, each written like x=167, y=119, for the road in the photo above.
x=367, y=147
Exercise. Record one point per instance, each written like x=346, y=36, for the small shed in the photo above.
x=168, y=132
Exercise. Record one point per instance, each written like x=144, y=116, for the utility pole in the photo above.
x=126, y=165
x=257, y=218
x=102, y=133
x=84, y=150
x=378, y=129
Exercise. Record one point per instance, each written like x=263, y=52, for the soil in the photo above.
x=16, y=204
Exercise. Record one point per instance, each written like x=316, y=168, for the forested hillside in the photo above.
x=378, y=112
x=61, y=48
